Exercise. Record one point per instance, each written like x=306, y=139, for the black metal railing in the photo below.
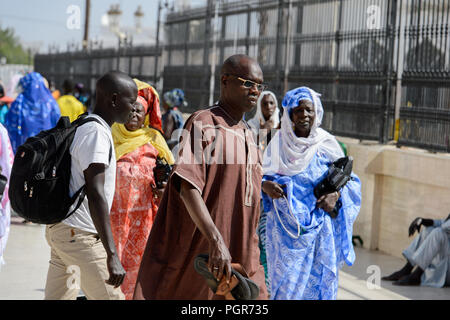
x=382, y=66
x=87, y=66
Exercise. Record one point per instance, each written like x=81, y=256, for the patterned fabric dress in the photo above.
x=307, y=268
x=133, y=210
x=262, y=246
x=134, y=207
x=305, y=247
x=34, y=110
x=6, y=162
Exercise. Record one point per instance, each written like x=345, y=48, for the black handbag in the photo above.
x=162, y=172
x=339, y=173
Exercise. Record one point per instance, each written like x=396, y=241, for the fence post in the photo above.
x=287, y=49
x=118, y=54
x=214, y=54
x=400, y=66
x=336, y=64
x=278, y=79
x=390, y=38
x=206, y=77
x=158, y=23
x=130, y=59
x=222, y=35
x=247, y=34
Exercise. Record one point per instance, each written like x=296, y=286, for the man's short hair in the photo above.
x=113, y=82
x=233, y=64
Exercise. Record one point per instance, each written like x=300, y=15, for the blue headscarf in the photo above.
x=292, y=98
x=306, y=247
x=174, y=98
x=297, y=152
x=34, y=110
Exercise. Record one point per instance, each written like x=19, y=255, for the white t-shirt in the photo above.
x=91, y=144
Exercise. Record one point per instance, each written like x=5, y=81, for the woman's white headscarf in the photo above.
x=288, y=154
x=254, y=122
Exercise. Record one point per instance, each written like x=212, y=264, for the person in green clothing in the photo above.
x=343, y=147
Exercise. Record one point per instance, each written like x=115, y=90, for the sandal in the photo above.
x=240, y=286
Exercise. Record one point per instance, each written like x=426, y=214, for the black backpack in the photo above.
x=40, y=176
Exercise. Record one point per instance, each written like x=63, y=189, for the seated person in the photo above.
x=429, y=254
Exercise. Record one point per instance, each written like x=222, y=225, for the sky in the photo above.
x=43, y=23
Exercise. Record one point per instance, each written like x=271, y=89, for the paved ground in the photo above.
x=27, y=255
x=353, y=280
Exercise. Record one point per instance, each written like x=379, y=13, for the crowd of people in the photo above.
x=162, y=191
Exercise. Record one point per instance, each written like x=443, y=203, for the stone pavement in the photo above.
x=27, y=254
x=353, y=280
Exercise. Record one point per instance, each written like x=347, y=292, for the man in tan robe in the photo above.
x=211, y=202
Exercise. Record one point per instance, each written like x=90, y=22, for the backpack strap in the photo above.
x=82, y=120
x=81, y=193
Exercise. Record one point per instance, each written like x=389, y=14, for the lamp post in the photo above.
x=125, y=40
x=160, y=7
x=86, y=25
x=114, y=14
x=214, y=53
x=287, y=48
x=138, y=15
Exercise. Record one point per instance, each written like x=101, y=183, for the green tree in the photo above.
x=11, y=48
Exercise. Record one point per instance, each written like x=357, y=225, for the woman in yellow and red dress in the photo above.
x=139, y=145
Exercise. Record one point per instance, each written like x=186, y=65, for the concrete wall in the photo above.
x=398, y=185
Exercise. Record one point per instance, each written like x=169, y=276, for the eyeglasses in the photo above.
x=249, y=83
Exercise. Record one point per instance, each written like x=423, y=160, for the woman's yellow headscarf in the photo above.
x=126, y=141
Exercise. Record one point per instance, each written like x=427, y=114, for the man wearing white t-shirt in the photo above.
x=83, y=253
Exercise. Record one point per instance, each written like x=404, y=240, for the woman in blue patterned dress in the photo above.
x=34, y=110
x=305, y=246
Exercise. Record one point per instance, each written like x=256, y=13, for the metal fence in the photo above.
x=322, y=44
x=425, y=96
x=382, y=66
x=88, y=66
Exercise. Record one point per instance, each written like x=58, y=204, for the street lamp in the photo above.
x=138, y=15
x=160, y=7
x=114, y=14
